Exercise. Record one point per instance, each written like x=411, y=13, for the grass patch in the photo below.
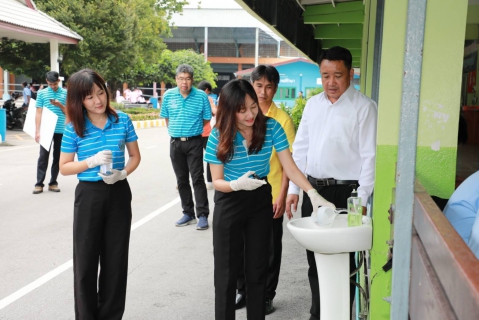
x=138, y=114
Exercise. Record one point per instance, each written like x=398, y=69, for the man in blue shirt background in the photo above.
x=54, y=98
x=186, y=110
x=27, y=94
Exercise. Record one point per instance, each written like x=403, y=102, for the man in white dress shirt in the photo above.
x=335, y=147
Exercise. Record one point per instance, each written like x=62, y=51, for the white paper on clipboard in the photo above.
x=47, y=128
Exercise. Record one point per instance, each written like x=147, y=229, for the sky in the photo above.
x=213, y=4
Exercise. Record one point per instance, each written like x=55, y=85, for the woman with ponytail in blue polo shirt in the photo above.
x=239, y=150
x=98, y=135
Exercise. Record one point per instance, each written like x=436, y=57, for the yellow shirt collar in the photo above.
x=272, y=110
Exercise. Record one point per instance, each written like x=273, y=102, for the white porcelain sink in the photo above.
x=331, y=246
x=336, y=238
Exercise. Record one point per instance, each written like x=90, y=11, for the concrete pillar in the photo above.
x=54, y=65
x=206, y=44
x=54, y=52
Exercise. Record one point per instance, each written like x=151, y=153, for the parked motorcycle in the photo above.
x=15, y=116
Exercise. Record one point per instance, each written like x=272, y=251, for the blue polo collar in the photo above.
x=191, y=94
x=89, y=125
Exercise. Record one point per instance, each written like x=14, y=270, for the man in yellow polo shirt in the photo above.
x=265, y=80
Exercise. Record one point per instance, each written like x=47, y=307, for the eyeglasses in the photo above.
x=183, y=79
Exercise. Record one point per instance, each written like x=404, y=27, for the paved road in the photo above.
x=170, y=268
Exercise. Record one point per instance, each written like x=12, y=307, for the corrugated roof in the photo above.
x=219, y=35
x=219, y=17
x=21, y=20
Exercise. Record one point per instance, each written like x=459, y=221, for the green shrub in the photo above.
x=297, y=111
x=141, y=117
x=138, y=114
x=314, y=92
x=139, y=110
x=299, y=104
x=283, y=106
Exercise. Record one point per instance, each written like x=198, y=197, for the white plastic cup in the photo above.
x=325, y=216
x=106, y=169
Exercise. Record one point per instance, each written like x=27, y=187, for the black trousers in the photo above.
x=101, y=234
x=208, y=171
x=187, y=159
x=42, y=165
x=337, y=195
x=241, y=223
x=274, y=261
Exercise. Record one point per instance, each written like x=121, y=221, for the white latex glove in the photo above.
x=115, y=176
x=102, y=157
x=318, y=201
x=246, y=183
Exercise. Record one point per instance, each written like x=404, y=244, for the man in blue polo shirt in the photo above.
x=54, y=98
x=186, y=110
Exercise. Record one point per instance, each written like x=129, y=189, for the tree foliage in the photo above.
x=169, y=61
x=120, y=38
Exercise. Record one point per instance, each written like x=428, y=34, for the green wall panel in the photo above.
x=441, y=82
x=347, y=43
x=346, y=17
x=389, y=106
x=329, y=9
x=436, y=170
x=334, y=31
x=386, y=157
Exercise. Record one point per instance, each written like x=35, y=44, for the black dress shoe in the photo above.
x=269, y=308
x=240, y=301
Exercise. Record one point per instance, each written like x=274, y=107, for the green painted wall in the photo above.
x=389, y=104
x=438, y=120
x=440, y=95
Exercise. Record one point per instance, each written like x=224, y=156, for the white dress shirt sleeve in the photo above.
x=367, y=119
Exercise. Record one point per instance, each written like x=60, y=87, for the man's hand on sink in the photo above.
x=291, y=201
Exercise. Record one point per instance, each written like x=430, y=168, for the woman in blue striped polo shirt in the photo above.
x=239, y=150
x=98, y=135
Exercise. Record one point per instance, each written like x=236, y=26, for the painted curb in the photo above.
x=149, y=123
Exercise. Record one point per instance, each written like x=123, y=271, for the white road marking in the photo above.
x=155, y=213
x=67, y=265
x=35, y=284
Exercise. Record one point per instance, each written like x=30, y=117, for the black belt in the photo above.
x=186, y=138
x=331, y=182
